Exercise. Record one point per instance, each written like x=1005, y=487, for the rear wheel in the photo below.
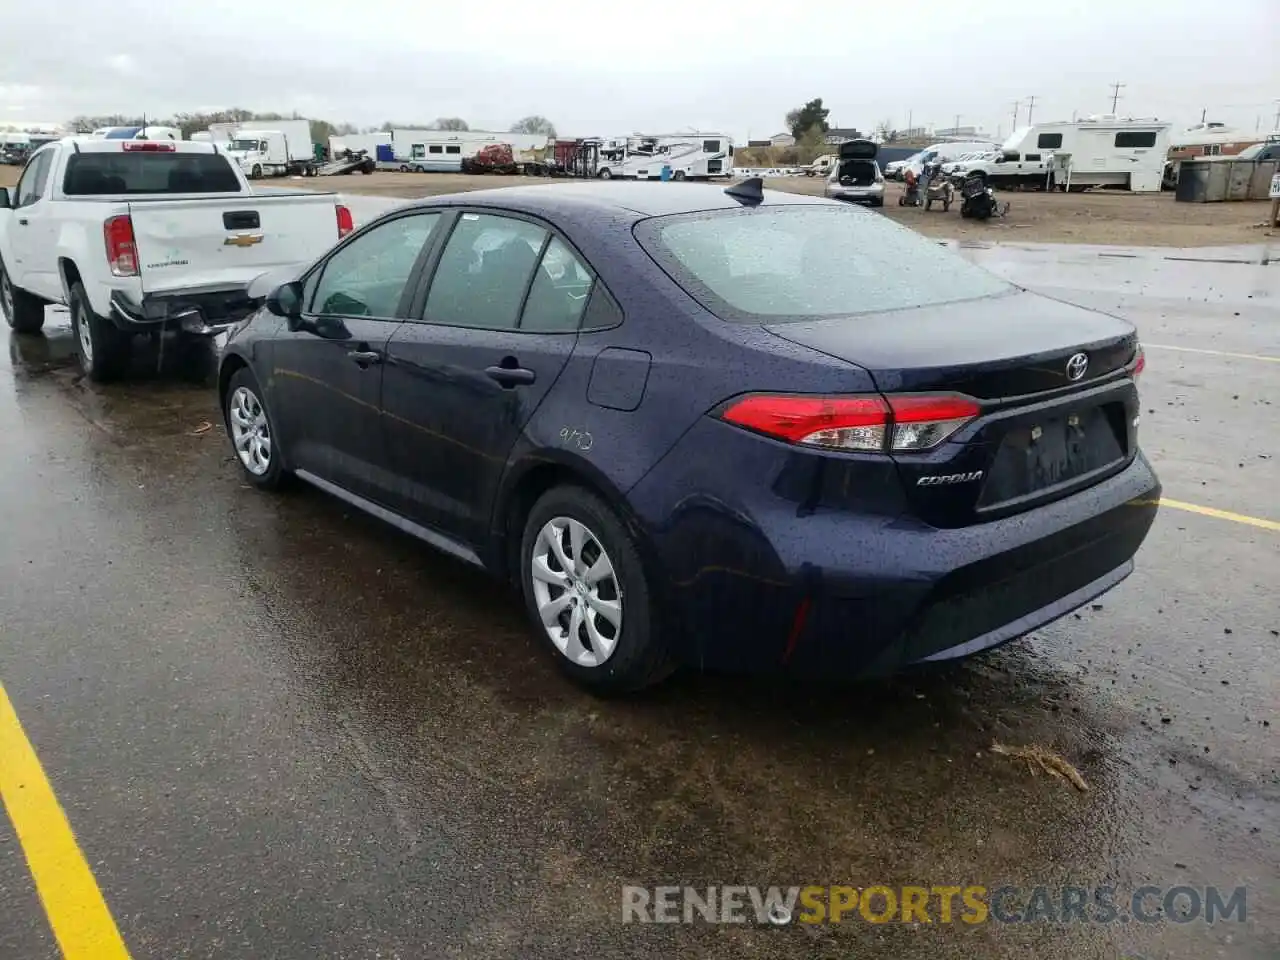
x=605, y=174
x=22, y=311
x=679, y=175
x=587, y=596
x=404, y=168
x=103, y=350
x=256, y=172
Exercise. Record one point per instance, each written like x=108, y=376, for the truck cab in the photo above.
x=259, y=153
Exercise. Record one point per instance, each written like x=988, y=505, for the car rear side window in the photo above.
x=804, y=261
x=367, y=277
x=561, y=286
x=89, y=174
x=484, y=272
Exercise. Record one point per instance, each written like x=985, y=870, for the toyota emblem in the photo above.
x=1077, y=365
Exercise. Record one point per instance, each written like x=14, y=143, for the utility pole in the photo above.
x=955, y=129
x=1031, y=105
x=1115, y=94
x=910, y=128
x=1276, y=121
x=1016, y=105
x=1203, y=111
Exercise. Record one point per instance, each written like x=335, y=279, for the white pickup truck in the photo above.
x=140, y=236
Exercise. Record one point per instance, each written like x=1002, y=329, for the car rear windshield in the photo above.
x=97, y=173
x=807, y=261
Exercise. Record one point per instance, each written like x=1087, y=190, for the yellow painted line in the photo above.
x=72, y=901
x=1220, y=514
x=1212, y=353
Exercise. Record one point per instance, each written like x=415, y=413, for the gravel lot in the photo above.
x=1103, y=217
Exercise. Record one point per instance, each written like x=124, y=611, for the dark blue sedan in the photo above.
x=726, y=428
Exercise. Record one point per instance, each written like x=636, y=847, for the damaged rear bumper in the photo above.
x=201, y=312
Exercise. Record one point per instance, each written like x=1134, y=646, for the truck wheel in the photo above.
x=103, y=350
x=605, y=174
x=678, y=175
x=24, y=312
x=256, y=172
x=404, y=168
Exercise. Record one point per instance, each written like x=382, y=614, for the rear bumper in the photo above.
x=869, y=194
x=764, y=581
x=204, y=312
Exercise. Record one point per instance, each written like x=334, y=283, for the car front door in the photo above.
x=464, y=376
x=326, y=380
x=29, y=246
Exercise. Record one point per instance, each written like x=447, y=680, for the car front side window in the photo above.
x=484, y=271
x=31, y=186
x=368, y=276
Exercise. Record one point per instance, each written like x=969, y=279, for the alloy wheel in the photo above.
x=85, y=335
x=250, y=431
x=576, y=592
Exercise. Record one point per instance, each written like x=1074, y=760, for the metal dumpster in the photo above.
x=1211, y=180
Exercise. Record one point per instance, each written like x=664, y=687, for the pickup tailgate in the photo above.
x=220, y=243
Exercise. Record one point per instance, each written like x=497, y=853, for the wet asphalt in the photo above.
x=282, y=729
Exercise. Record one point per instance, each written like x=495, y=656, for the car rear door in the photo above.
x=486, y=343
x=327, y=376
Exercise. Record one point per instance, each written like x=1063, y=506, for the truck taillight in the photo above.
x=345, y=223
x=122, y=253
x=896, y=424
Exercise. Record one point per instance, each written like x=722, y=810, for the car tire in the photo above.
x=404, y=168
x=102, y=348
x=678, y=176
x=252, y=432
x=637, y=653
x=255, y=173
x=24, y=312
x=605, y=174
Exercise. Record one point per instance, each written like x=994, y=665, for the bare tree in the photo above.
x=449, y=123
x=884, y=130
x=535, y=124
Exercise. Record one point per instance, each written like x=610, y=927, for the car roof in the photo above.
x=632, y=200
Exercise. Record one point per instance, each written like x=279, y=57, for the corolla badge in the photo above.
x=1077, y=366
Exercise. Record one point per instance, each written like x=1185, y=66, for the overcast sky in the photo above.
x=617, y=68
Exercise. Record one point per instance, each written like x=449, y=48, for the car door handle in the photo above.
x=364, y=358
x=511, y=376
x=22, y=221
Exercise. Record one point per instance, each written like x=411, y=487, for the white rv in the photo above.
x=1104, y=151
x=691, y=156
x=442, y=151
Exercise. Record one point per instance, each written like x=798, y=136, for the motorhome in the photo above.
x=690, y=156
x=442, y=151
x=1102, y=151
x=1210, y=140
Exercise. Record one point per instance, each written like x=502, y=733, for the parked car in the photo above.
x=136, y=236
x=857, y=177
x=896, y=169
x=704, y=426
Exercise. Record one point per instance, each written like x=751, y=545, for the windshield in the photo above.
x=107, y=174
x=244, y=145
x=1248, y=153
x=805, y=261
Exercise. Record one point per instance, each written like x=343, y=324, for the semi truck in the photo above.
x=274, y=148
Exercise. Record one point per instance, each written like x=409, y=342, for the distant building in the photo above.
x=838, y=135
x=782, y=140
x=972, y=133
x=912, y=133
x=759, y=143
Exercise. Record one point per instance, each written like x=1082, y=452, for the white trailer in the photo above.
x=1101, y=151
x=690, y=156
x=442, y=151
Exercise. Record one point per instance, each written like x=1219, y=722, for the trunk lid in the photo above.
x=225, y=242
x=858, y=150
x=1047, y=427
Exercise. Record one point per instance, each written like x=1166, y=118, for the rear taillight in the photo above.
x=898, y=423
x=122, y=253
x=1139, y=362
x=149, y=146
x=345, y=223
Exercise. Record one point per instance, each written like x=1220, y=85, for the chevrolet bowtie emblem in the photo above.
x=243, y=240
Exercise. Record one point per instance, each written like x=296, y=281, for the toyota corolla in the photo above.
x=727, y=428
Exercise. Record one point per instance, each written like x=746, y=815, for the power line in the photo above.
x=1115, y=94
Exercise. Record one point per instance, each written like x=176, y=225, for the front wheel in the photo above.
x=102, y=349
x=23, y=312
x=256, y=172
x=678, y=175
x=404, y=168
x=587, y=595
x=252, y=432
x=605, y=174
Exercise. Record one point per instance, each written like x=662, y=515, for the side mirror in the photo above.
x=6, y=200
x=286, y=301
